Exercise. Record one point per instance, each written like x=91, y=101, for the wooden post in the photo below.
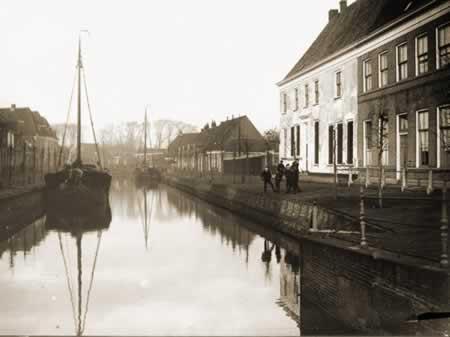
x=367, y=176
x=383, y=178
x=34, y=163
x=430, y=181
x=315, y=225
x=444, y=226
x=24, y=163
x=403, y=179
x=362, y=218
x=350, y=176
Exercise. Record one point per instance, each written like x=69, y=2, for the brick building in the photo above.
x=372, y=56
x=404, y=90
x=233, y=146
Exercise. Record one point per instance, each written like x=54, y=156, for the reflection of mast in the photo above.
x=148, y=218
x=79, y=268
x=78, y=316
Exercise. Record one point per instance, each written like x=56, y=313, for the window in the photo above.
x=383, y=69
x=423, y=137
x=292, y=141
x=444, y=125
x=422, y=54
x=284, y=100
x=384, y=139
x=306, y=95
x=402, y=62
x=340, y=141
x=297, y=140
x=368, y=143
x=367, y=73
x=316, y=92
x=330, y=144
x=296, y=99
x=444, y=46
x=285, y=133
x=338, y=84
x=403, y=123
x=316, y=142
x=350, y=143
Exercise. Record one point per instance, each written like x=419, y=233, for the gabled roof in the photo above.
x=184, y=139
x=26, y=121
x=358, y=21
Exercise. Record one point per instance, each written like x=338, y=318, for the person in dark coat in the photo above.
x=295, y=177
x=266, y=176
x=279, y=175
x=288, y=174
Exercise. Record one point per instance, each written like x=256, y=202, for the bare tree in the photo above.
x=381, y=127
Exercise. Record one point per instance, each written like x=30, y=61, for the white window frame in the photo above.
x=365, y=141
x=296, y=98
x=364, y=74
x=316, y=93
x=397, y=141
x=438, y=131
x=336, y=96
x=438, y=63
x=417, y=135
x=306, y=93
x=397, y=60
x=380, y=85
x=417, y=53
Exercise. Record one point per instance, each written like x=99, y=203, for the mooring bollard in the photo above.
x=444, y=226
x=362, y=220
x=367, y=177
x=403, y=177
x=315, y=224
x=430, y=182
x=350, y=177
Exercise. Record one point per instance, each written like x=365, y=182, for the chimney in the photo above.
x=13, y=107
x=332, y=13
x=343, y=5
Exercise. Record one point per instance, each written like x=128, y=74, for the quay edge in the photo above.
x=389, y=287
x=19, y=207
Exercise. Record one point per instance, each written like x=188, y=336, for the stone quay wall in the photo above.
x=364, y=290
x=19, y=208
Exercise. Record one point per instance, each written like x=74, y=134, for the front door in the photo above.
x=303, y=162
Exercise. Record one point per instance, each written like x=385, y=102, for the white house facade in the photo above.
x=318, y=117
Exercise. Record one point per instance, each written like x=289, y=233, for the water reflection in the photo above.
x=24, y=241
x=77, y=227
x=166, y=264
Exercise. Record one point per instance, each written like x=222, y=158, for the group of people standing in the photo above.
x=290, y=172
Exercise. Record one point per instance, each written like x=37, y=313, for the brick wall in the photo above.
x=370, y=295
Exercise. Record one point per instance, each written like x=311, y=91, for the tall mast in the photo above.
x=79, y=66
x=145, y=137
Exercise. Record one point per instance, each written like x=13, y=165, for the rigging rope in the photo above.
x=68, y=279
x=91, y=281
x=67, y=120
x=92, y=122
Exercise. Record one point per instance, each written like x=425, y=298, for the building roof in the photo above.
x=356, y=22
x=26, y=122
x=184, y=139
x=222, y=137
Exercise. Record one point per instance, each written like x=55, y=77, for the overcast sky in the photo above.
x=193, y=60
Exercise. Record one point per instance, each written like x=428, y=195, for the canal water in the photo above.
x=167, y=264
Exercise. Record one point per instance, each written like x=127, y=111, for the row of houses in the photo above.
x=234, y=146
x=27, y=145
x=375, y=83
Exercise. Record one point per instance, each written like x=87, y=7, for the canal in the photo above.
x=167, y=264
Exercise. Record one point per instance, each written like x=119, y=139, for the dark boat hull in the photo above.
x=66, y=223
x=85, y=198
x=147, y=177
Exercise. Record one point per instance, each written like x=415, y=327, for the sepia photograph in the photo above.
x=225, y=168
